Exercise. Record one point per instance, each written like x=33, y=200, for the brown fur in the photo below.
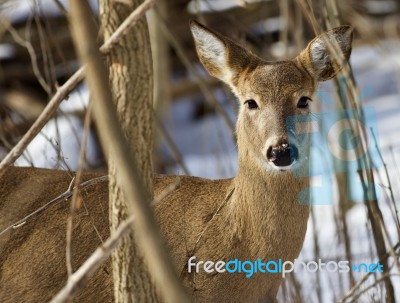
x=254, y=215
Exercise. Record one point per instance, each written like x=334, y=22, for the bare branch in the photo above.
x=101, y=254
x=375, y=284
x=78, y=177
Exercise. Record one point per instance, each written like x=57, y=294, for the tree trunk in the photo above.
x=131, y=82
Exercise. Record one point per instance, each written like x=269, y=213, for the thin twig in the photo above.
x=67, y=194
x=171, y=144
x=28, y=45
x=381, y=279
x=212, y=218
x=46, y=55
x=78, y=178
x=389, y=183
x=316, y=253
x=61, y=7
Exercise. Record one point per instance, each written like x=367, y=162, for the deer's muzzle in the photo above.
x=282, y=155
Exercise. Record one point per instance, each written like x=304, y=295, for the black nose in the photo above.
x=282, y=155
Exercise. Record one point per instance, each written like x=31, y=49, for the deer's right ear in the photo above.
x=222, y=58
x=317, y=57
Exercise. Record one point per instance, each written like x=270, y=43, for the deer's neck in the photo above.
x=266, y=209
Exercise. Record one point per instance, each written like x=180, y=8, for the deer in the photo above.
x=255, y=214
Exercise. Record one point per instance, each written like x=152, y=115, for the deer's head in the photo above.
x=270, y=92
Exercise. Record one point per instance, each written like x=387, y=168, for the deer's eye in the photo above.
x=303, y=102
x=251, y=104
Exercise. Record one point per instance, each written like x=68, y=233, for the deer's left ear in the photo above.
x=316, y=57
x=222, y=58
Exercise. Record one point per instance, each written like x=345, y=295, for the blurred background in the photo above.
x=195, y=114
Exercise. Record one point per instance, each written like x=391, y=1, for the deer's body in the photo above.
x=32, y=258
x=256, y=215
